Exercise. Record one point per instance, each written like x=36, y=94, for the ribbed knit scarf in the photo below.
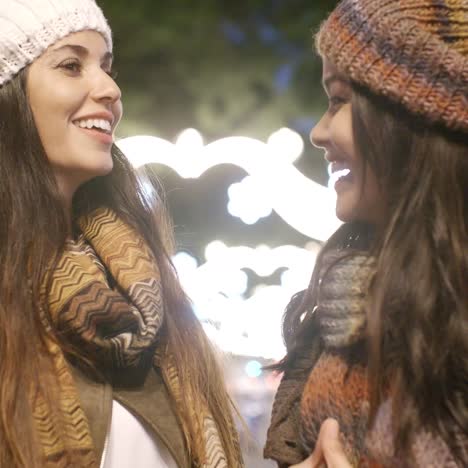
x=337, y=319
x=329, y=379
x=106, y=299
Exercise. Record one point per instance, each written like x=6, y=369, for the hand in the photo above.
x=328, y=450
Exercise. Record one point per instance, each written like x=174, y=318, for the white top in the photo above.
x=129, y=444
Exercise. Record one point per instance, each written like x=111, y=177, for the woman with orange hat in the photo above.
x=379, y=340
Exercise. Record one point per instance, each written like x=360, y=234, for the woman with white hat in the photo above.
x=102, y=361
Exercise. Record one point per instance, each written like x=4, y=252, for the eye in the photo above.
x=335, y=102
x=71, y=66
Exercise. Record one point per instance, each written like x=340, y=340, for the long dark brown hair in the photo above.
x=418, y=320
x=418, y=304
x=33, y=232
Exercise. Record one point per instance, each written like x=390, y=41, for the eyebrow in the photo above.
x=83, y=51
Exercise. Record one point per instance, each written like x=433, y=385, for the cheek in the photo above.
x=373, y=193
x=43, y=112
x=53, y=101
x=53, y=109
x=54, y=104
x=371, y=203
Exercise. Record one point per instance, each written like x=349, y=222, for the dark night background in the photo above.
x=225, y=68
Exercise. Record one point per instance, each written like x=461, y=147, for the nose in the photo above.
x=106, y=89
x=319, y=134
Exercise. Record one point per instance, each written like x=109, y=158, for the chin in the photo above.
x=88, y=174
x=350, y=208
x=345, y=214
x=353, y=215
x=104, y=168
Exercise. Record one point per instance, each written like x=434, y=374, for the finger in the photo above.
x=331, y=445
x=316, y=459
x=311, y=462
x=304, y=464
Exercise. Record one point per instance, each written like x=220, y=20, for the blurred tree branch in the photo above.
x=224, y=67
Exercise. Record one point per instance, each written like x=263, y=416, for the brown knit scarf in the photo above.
x=337, y=317
x=106, y=298
x=329, y=379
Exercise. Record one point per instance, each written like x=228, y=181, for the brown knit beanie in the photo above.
x=413, y=52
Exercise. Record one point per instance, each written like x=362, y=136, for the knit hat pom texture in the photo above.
x=29, y=27
x=413, y=52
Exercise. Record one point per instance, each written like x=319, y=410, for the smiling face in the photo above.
x=76, y=107
x=359, y=196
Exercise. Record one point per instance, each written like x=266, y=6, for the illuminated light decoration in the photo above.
x=246, y=326
x=287, y=144
x=247, y=200
x=189, y=139
x=263, y=260
x=253, y=369
x=250, y=327
x=304, y=204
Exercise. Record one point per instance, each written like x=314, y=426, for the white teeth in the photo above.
x=96, y=123
x=335, y=176
x=341, y=173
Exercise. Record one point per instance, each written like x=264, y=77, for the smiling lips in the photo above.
x=100, y=124
x=340, y=172
x=100, y=129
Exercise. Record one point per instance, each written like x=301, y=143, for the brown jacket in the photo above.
x=149, y=402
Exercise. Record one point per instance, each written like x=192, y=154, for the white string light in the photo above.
x=246, y=326
x=304, y=204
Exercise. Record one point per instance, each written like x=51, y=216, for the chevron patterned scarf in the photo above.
x=106, y=299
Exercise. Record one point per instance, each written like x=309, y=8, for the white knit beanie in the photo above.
x=29, y=27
